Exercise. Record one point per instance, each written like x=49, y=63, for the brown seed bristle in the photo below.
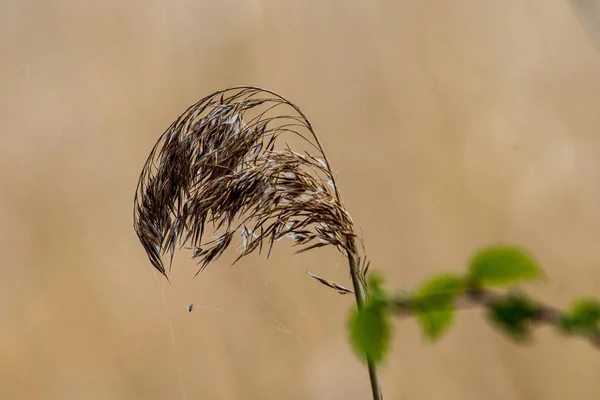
x=225, y=161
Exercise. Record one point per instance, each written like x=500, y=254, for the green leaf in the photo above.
x=583, y=315
x=370, y=331
x=513, y=316
x=586, y=309
x=502, y=265
x=434, y=304
x=370, y=327
x=375, y=288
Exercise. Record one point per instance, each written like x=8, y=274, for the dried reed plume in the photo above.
x=225, y=162
x=216, y=164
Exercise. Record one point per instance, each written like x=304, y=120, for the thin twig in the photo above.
x=482, y=297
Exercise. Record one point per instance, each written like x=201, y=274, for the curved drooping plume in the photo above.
x=226, y=162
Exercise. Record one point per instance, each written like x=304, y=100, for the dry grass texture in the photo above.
x=218, y=164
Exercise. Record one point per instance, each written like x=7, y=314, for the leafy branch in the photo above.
x=435, y=302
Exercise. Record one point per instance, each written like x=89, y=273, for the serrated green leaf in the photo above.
x=370, y=331
x=513, y=316
x=584, y=314
x=435, y=304
x=503, y=265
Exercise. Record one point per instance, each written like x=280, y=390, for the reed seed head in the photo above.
x=226, y=162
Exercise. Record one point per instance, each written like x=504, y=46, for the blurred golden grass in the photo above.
x=450, y=125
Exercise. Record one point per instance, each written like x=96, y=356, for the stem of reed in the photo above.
x=360, y=296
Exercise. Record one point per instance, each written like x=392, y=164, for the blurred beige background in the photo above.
x=451, y=124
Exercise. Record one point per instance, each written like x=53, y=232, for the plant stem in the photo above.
x=482, y=297
x=360, y=296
